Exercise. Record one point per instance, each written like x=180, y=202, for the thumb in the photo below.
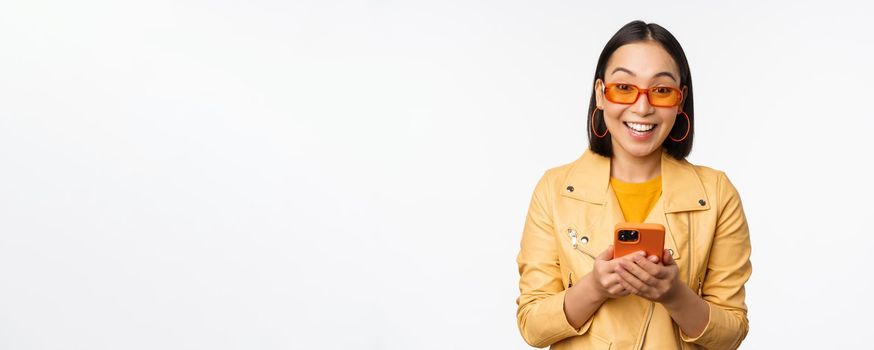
x=607, y=254
x=667, y=259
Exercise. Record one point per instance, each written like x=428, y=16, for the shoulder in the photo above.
x=716, y=183
x=552, y=178
x=559, y=172
x=588, y=166
x=707, y=174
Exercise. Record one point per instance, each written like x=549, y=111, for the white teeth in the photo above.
x=640, y=127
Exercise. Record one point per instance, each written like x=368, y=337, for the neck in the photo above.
x=630, y=168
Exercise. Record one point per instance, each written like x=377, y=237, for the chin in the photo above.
x=641, y=150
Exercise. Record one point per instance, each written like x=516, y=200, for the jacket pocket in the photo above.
x=575, y=260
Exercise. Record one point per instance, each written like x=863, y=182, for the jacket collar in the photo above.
x=682, y=190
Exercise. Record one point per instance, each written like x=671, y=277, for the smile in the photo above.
x=639, y=127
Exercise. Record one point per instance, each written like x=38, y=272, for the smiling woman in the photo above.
x=579, y=295
x=648, y=56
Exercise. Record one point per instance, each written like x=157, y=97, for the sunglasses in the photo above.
x=658, y=96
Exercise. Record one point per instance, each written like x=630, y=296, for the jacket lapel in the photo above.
x=682, y=189
x=586, y=206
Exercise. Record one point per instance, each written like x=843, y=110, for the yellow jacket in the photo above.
x=570, y=222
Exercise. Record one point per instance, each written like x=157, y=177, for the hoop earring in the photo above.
x=593, y=126
x=688, y=127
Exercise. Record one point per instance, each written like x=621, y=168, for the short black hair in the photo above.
x=632, y=32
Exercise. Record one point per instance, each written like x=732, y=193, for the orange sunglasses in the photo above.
x=658, y=96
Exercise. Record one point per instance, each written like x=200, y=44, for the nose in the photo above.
x=642, y=107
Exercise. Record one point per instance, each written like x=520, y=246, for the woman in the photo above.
x=573, y=293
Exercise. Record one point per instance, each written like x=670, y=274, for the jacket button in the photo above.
x=702, y=202
x=570, y=188
x=584, y=239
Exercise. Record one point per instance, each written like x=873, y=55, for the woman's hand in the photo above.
x=602, y=283
x=649, y=279
x=607, y=282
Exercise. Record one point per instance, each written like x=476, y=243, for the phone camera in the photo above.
x=628, y=235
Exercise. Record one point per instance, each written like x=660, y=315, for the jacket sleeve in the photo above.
x=540, y=313
x=728, y=270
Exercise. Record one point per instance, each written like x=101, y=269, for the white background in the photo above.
x=312, y=174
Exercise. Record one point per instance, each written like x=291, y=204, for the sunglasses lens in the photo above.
x=621, y=93
x=661, y=96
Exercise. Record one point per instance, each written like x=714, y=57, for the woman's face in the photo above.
x=639, y=129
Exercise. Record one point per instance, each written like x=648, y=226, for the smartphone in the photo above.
x=631, y=237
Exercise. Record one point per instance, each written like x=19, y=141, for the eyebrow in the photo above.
x=659, y=74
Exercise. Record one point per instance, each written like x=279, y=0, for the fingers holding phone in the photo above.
x=656, y=281
x=606, y=280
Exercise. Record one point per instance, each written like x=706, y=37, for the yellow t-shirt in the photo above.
x=637, y=198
